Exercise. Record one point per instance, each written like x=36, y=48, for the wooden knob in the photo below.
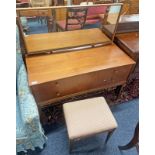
x=116, y=71
x=56, y=83
x=58, y=94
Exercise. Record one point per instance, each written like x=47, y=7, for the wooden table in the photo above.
x=57, y=76
x=129, y=42
x=62, y=40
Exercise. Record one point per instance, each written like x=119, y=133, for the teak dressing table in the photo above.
x=57, y=76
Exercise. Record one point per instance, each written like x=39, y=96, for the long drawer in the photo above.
x=77, y=84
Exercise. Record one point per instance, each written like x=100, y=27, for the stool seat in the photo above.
x=88, y=117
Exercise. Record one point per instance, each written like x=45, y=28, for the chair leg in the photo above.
x=134, y=141
x=128, y=146
x=108, y=136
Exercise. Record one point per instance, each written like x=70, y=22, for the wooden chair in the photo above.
x=88, y=117
x=75, y=19
x=134, y=141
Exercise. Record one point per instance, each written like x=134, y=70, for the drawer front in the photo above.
x=121, y=73
x=84, y=82
x=71, y=85
x=81, y=83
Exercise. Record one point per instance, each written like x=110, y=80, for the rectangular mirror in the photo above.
x=94, y=19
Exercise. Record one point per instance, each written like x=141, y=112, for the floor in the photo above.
x=126, y=114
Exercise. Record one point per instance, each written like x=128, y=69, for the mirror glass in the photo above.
x=41, y=19
x=37, y=19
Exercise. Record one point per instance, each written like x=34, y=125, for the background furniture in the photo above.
x=134, y=142
x=40, y=3
x=77, y=2
x=93, y=14
x=29, y=133
x=127, y=23
x=133, y=6
x=129, y=42
x=88, y=117
x=40, y=13
x=75, y=19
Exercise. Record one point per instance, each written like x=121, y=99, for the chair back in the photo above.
x=94, y=11
x=76, y=17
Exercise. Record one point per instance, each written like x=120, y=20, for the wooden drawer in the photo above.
x=68, y=86
x=78, y=84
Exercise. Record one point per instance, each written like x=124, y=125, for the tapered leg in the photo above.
x=108, y=136
x=70, y=146
x=118, y=90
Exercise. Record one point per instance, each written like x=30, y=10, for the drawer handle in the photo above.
x=56, y=83
x=58, y=94
x=116, y=71
x=104, y=80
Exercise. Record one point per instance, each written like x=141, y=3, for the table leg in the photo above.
x=118, y=90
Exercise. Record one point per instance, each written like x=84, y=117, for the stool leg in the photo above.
x=70, y=146
x=108, y=136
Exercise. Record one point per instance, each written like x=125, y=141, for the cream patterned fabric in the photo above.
x=88, y=117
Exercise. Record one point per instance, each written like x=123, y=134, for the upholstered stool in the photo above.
x=88, y=117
